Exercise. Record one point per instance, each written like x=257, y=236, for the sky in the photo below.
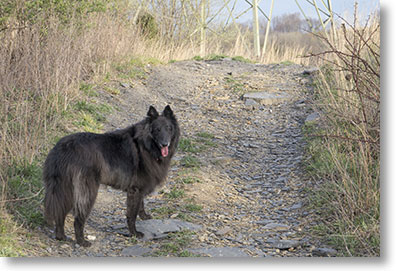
x=342, y=7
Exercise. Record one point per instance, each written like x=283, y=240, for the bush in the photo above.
x=147, y=24
x=29, y=12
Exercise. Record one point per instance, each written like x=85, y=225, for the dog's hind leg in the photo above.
x=59, y=211
x=79, y=222
x=142, y=213
x=134, y=200
x=85, y=199
x=60, y=227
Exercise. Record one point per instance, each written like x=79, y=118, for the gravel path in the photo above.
x=237, y=184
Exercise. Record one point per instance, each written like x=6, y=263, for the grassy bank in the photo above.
x=344, y=147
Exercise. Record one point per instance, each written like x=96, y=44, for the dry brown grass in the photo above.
x=349, y=99
x=281, y=47
x=37, y=74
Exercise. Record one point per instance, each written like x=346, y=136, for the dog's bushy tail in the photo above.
x=58, y=199
x=50, y=204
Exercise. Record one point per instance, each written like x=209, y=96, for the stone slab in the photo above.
x=219, y=252
x=313, y=117
x=276, y=227
x=284, y=244
x=311, y=71
x=158, y=228
x=266, y=98
x=136, y=250
x=324, y=252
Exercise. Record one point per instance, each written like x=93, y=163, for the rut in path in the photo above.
x=238, y=179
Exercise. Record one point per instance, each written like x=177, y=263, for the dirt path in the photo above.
x=238, y=174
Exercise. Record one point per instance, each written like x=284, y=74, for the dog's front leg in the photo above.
x=134, y=200
x=142, y=213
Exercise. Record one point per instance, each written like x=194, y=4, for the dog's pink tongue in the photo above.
x=164, y=151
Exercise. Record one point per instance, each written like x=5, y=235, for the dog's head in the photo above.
x=163, y=128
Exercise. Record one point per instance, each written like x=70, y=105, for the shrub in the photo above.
x=147, y=25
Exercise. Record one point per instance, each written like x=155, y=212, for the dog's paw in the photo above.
x=61, y=237
x=84, y=243
x=138, y=234
x=145, y=216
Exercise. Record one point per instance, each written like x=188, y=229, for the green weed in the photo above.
x=287, y=63
x=242, y=59
x=190, y=180
x=205, y=135
x=190, y=161
x=25, y=191
x=175, y=245
x=8, y=244
x=191, y=207
x=88, y=90
x=175, y=193
x=183, y=216
x=197, y=58
x=234, y=84
x=88, y=123
x=186, y=253
x=199, y=143
x=112, y=90
x=187, y=145
x=168, y=248
x=90, y=116
x=135, y=67
x=164, y=211
x=214, y=57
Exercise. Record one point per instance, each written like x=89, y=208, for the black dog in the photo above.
x=135, y=159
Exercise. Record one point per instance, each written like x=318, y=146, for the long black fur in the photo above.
x=129, y=159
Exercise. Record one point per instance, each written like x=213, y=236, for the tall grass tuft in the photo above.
x=348, y=97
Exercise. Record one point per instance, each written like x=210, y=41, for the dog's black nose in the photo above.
x=164, y=144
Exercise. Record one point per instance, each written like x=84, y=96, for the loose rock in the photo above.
x=157, y=229
x=312, y=118
x=136, y=250
x=311, y=71
x=220, y=252
x=267, y=98
x=223, y=231
x=285, y=244
x=324, y=252
x=276, y=226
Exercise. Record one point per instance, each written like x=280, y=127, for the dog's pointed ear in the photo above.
x=152, y=113
x=168, y=112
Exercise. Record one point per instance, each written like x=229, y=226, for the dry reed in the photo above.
x=349, y=99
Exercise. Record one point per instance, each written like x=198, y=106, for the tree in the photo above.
x=287, y=23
